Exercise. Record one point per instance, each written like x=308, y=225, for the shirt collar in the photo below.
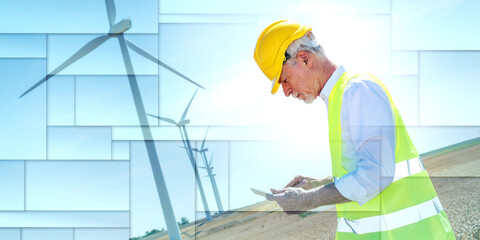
x=327, y=89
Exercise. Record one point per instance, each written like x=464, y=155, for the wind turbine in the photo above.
x=208, y=167
x=116, y=31
x=188, y=148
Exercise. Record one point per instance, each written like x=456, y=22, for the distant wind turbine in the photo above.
x=208, y=166
x=116, y=31
x=188, y=148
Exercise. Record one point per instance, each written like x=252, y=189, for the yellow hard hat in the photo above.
x=271, y=46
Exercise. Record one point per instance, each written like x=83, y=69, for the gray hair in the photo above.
x=306, y=43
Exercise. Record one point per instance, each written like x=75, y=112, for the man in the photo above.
x=378, y=181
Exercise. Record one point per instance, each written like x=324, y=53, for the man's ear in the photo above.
x=304, y=57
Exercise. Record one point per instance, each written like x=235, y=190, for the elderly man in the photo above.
x=378, y=181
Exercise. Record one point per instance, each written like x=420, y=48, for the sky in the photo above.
x=74, y=144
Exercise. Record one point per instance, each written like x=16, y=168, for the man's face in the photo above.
x=298, y=80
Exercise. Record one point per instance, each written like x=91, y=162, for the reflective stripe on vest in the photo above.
x=393, y=220
x=408, y=168
x=405, y=169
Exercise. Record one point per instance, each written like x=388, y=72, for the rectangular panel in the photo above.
x=102, y=234
x=448, y=151
x=23, y=45
x=106, y=59
x=179, y=178
x=461, y=162
x=12, y=185
x=24, y=130
x=61, y=101
x=449, y=88
x=270, y=6
x=435, y=25
x=224, y=103
x=10, y=233
x=47, y=234
x=272, y=164
x=57, y=16
x=120, y=150
x=108, y=100
x=83, y=143
x=427, y=139
x=404, y=93
x=77, y=185
x=44, y=219
x=405, y=62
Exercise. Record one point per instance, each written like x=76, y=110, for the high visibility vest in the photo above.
x=408, y=208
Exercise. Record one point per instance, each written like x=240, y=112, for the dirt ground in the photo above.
x=455, y=175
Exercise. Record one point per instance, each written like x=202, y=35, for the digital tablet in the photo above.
x=259, y=192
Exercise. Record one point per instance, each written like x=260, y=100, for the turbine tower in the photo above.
x=208, y=167
x=188, y=148
x=116, y=31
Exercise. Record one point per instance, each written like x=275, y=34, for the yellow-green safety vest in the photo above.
x=408, y=208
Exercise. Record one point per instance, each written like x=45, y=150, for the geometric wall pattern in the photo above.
x=72, y=161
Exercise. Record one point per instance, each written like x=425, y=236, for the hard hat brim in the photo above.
x=275, y=84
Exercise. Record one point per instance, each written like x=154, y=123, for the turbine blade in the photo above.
x=163, y=119
x=211, y=158
x=111, y=11
x=188, y=106
x=203, y=143
x=167, y=120
x=44, y=79
x=142, y=52
x=90, y=46
x=202, y=167
x=194, y=149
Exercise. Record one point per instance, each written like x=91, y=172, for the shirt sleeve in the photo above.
x=368, y=121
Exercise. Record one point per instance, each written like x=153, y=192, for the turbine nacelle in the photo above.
x=183, y=122
x=120, y=27
x=196, y=149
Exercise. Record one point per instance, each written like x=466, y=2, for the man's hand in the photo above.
x=300, y=181
x=307, y=183
x=292, y=200
x=297, y=200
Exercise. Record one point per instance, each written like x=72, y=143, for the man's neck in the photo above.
x=327, y=68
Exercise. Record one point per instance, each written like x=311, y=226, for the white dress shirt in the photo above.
x=368, y=138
